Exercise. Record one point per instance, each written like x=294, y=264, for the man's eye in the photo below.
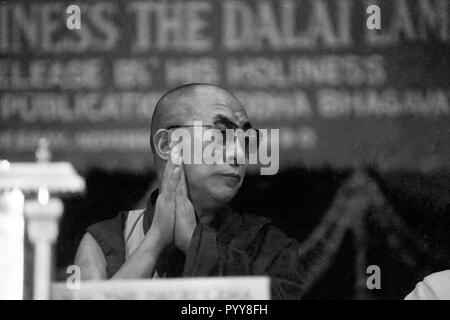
x=220, y=129
x=221, y=132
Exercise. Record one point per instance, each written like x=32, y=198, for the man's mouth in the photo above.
x=232, y=175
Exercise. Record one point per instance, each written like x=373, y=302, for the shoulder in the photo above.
x=256, y=220
x=435, y=286
x=109, y=230
x=90, y=259
x=261, y=231
x=110, y=225
x=263, y=224
x=248, y=224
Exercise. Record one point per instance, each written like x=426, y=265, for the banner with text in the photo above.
x=341, y=93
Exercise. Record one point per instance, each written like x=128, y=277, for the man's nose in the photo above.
x=235, y=153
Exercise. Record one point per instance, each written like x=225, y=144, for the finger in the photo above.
x=171, y=184
x=182, y=185
x=168, y=173
x=175, y=154
x=174, y=179
x=178, y=198
x=168, y=170
x=182, y=200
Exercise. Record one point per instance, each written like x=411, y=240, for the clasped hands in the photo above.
x=174, y=217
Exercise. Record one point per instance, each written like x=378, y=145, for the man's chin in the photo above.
x=224, y=194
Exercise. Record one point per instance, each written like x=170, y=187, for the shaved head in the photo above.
x=195, y=102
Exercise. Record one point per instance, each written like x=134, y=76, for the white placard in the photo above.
x=211, y=288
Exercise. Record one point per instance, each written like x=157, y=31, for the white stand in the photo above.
x=11, y=245
x=42, y=215
x=43, y=230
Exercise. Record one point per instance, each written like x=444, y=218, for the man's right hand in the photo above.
x=142, y=262
x=162, y=228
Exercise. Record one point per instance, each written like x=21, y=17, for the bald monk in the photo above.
x=188, y=228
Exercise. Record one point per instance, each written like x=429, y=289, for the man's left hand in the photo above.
x=185, y=222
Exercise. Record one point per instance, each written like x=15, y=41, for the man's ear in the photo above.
x=161, y=141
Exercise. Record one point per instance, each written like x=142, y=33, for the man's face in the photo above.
x=213, y=185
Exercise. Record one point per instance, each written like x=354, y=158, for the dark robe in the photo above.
x=235, y=244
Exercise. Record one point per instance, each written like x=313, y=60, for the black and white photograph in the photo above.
x=224, y=150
